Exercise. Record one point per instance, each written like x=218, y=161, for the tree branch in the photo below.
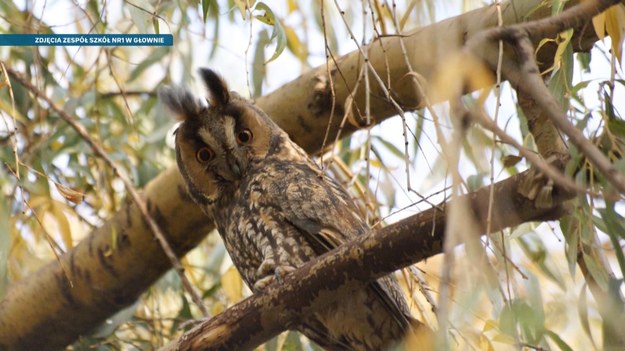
x=313, y=286
x=524, y=73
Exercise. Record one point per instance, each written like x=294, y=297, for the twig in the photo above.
x=528, y=79
x=127, y=93
x=134, y=194
x=550, y=171
x=533, y=85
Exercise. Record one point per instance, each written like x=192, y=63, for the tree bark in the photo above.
x=118, y=261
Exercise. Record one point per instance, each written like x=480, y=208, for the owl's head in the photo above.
x=217, y=143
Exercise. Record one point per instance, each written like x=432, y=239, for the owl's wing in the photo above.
x=323, y=212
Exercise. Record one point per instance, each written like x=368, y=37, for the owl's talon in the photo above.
x=262, y=283
x=282, y=271
x=276, y=274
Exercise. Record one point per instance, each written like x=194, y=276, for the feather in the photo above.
x=180, y=101
x=218, y=94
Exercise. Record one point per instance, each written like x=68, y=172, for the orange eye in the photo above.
x=204, y=155
x=245, y=136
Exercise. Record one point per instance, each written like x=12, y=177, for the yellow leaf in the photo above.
x=39, y=202
x=294, y=44
x=232, y=285
x=70, y=194
x=504, y=339
x=563, y=41
x=615, y=27
x=291, y=5
x=63, y=223
x=244, y=6
x=458, y=74
x=490, y=325
x=56, y=145
x=485, y=344
x=349, y=112
x=598, y=22
x=217, y=308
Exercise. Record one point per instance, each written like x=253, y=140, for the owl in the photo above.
x=275, y=211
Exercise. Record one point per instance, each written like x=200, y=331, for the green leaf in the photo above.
x=272, y=345
x=292, y=342
x=558, y=340
x=615, y=228
x=389, y=146
x=205, y=6
x=582, y=311
x=111, y=323
x=616, y=126
x=214, y=13
x=571, y=236
x=260, y=69
x=535, y=249
x=141, y=17
x=278, y=33
x=584, y=59
x=156, y=56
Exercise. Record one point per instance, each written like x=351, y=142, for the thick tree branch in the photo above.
x=261, y=316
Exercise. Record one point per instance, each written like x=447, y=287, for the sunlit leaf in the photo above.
x=63, y=223
x=244, y=6
x=485, y=344
x=295, y=45
x=615, y=27
x=292, y=5
x=232, y=284
x=598, y=23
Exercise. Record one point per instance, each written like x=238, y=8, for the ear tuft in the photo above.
x=218, y=93
x=180, y=101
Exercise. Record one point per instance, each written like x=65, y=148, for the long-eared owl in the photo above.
x=275, y=212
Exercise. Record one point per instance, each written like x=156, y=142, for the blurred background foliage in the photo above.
x=56, y=190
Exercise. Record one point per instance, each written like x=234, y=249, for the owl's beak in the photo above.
x=235, y=167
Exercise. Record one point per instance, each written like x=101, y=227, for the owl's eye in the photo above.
x=245, y=136
x=204, y=155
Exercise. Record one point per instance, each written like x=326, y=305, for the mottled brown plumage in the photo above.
x=275, y=211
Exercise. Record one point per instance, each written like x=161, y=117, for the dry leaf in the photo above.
x=70, y=194
x=511, y=160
